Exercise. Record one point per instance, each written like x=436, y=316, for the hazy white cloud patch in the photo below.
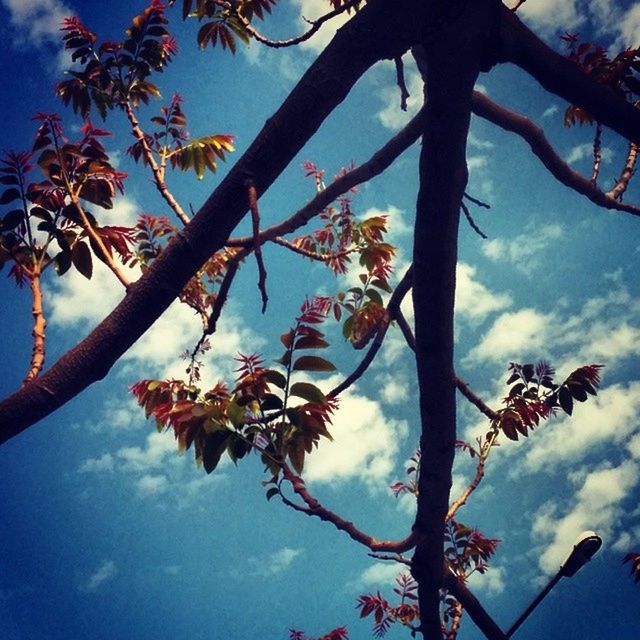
x=477, y=162
x=550, y=111
x=585, y=150
x=514, y=336
x=479, y=143
x=105, y=572
x=37, y=21
x=104, y=463
x=379, y=574
x=274, y=564
x=549, y=16
x=628, y=27
x=394, y=388
x=612, y=416
x=596, y=506
x=491, y=583
x=158, y=448
x=365, y=443
x=474, y=301
x=522, y=249
x=151, y=484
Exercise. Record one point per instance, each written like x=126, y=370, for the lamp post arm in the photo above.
x=536, y=601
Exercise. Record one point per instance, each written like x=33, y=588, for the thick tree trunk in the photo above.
x=450, y=67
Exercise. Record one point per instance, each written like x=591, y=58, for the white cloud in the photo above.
x=105, y=572
x=159, y=446
x=97, y=465
x=379, y=574
x=491, y=583
x=549, y=16
x=612, y=416
x=585, y=150
x=521, y=249
x=276, y=563
x=477, y=143
x=628, y=27
x=550, y=111
x=38, y=21
x=474, y=163
x=596, y=506
x=394, y=388
x=365, y=443
x=515, y=336
x=473, y=300
x=150, y=484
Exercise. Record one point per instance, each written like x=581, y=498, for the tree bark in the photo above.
x=450, y=67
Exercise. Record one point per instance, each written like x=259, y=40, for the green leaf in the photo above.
x=313, y=363
x=81, y=259
x=62, y=262
x=308, y=392
x=235, y=413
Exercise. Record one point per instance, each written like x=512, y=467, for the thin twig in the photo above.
x=290, y=42
x=314, y=508
x=471, y=221
x=627, y=172
x=376, y=164
x=158, y=172
x=257, y=243
x=484, y=205
x=39, y=326
x=400, y=80
x=597, y=153
x=394, y=557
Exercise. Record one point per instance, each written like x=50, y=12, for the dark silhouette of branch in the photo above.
x=534, y=136
x=471, y=221
x=378, y=162
x=472, y=606
x=257, y=243
x=393, y=308
x=290, y=42
x=402, y=85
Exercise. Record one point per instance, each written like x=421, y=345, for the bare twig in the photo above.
x=290, y=42
x=313, y=255
x=257, y=242
x=484, y=205
x=400, y=80
x=314, y=508
x=378, y=162
x=394, y=557
x=158, y=172
x=39, y=326
x=477, y=479
x=597, y=153
x=471, y=221
x=627, y=172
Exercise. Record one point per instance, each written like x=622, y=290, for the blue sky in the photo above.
x=106, y=532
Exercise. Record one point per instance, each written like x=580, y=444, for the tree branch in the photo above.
x=534, y=136
x=314, y=508
x=559, y=75
x=326, y=83
x=39, y=326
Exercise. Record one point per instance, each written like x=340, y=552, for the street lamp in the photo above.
x=584, y=548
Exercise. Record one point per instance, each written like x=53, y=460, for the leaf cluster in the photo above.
x=534, y=396
x=115, y=73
